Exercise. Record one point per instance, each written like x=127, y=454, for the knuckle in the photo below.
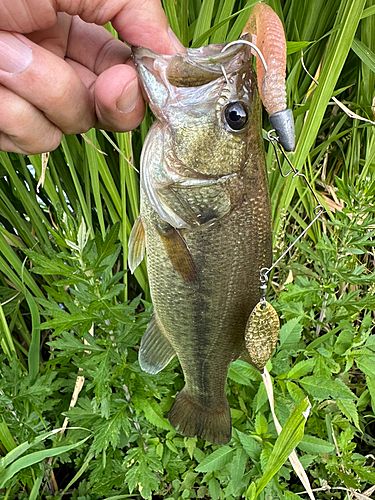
x=41, y=143
x=54, y=139
x=78, y=126
x=69, y=104
x=60, y=91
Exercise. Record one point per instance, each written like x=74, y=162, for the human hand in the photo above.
x=61, y=71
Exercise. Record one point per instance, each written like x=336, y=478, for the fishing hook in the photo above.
x=225, y=74
x=250, y=44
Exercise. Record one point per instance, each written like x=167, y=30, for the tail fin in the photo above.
x=191, y=418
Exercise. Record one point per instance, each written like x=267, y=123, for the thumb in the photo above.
x=144, y=24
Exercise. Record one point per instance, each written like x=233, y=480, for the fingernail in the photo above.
x=129, y=97
x=177, y=45
x=15, y=55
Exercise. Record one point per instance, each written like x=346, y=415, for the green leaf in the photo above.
x=251, y=492
x=34, y=349
x=216, y=460
x=324, y=388
x=36, y=457
x=301, y=368
x=290, y=334
x=215, y=31
x=293, y=47
x=243, y=373
x=250, y=445
x=214, y=489
x=365, y=54
x=295, y=391
x=237, y=471
x=315, y=445
x=69, y=343
x=154, y=416
x=287, y=440
x=370, y=11
x=261, y=424
x=6, y=438
x=367, y=365
x=365, y=473
x=349, y=409
x=10, y=457
x=337, y=49
x=108, y=433
x=204, y=20
x=222, y=21
x=34, y=493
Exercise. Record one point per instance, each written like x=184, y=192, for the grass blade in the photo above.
x=204, y=21
x=339, y=44
x=222, y=21
x=34, y=493
x=6, y=438
x=293, y=458
x=6, y=341
x=34, y=348
x=287, y=440
x=36, y=457
x=364, y=53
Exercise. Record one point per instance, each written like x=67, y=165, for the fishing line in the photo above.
x=318, y=210
x=263, y=325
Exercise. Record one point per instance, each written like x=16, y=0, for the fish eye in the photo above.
x=235, y=115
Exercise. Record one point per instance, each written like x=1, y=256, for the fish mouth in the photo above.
x=187, y=79
x=193, y=68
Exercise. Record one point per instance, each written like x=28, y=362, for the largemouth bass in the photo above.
x=204, y=221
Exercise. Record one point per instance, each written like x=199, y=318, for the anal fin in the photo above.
x=136, y=245
x=156, y=351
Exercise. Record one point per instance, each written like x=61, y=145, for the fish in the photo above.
x=205, y=223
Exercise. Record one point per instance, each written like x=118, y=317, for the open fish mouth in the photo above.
x=199, y=66
x=194, y=67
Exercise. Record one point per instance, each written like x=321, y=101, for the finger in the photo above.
x=55, y=38
x=139, y=22
x=144, y=23
x=93, y=46
x=87, y=77
x=26, y=16
x=118, y=99
x=47, y=82
x=23, y=128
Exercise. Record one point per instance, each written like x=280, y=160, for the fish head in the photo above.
x=207, y=104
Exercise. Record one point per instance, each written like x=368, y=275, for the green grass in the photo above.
x=68, y=306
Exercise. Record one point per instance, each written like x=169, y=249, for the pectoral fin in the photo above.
x=136, y=245
x=178, y=252
x=154, y=178
x=155, y=352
